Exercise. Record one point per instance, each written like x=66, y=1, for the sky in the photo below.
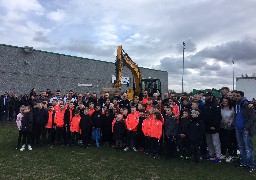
x=152, y=32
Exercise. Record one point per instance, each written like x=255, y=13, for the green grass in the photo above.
x=104, y=163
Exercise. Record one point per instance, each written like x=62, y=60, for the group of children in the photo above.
x=138, y=129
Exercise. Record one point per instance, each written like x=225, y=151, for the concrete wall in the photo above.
x=21, y=71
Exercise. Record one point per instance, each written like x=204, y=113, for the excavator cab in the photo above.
x=152, y=86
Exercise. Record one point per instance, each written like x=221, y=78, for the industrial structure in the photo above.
x=24, y=68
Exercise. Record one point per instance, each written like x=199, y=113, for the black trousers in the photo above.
x=195, y=150
x=26, y=137
x=19, y=138
x=59, y=135
x=154, y=146
x=86, y=138
x=171, y=146
x=131, y=139
x=228, y=142
x=140, y=140
x=50, y=135
x=183, y=144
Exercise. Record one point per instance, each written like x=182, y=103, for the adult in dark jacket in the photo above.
x=85, y=126
x=245, y=129
x=4, y=107
x=212, y=118
x=26, y=128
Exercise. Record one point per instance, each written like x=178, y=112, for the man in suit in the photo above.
x=4, y=106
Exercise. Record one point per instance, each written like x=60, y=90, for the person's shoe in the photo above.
x=216, y=161
x=126, y=149
x=229, y=159
x=241, y=165
x=22, y=148
x=29, y=147
x=210, y=158
x=251, y=169
x=222, y=157
x=134, y=149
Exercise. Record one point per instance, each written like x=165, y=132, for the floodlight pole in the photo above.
x=233, y=75
x=183, y=69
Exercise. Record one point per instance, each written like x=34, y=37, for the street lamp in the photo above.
x=183, y=68
x=233, y=75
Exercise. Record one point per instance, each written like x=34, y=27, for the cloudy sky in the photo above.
x=151, y=32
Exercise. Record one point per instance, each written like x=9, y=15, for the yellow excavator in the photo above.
x=139, y=84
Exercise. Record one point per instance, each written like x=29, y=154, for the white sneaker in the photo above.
x=222, y=157
x=29, y=148
x=126, y=149
x=238, y=152
x=22, y=148
x=134, y=149
x=229, y=159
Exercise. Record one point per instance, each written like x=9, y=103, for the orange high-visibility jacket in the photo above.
x=156, y=128
x=74, y=126
x=50, y=121
x=146, y=125
x=59, y=118
x=132, y=122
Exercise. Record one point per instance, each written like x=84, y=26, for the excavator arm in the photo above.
x=122, y=59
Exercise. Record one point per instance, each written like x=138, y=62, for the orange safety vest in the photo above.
x=74, y=126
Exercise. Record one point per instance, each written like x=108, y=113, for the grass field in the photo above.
x=104, y=163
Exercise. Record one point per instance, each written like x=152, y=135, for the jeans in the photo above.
x=213, y=143
x=245, y=144
x=96, y=136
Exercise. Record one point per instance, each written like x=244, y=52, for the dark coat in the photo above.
x=195, y=130
x=40, y=117
x=27, y=122
x=182, y=127
x=67, y=116
x=211, y=114
x=170, y=126
x=97, y=121
x=119, y=130
x=85, y=124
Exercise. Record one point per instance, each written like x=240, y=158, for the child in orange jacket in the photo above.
x=146, y=125
x=132, y=122
x=156, y=134
x=59, y=123
x=74, y=127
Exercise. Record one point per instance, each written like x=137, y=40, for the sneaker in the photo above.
x=126, y=149
x=29, y=148
x=22, y=148
x=241, y=165
x=229, y=159
x=210, y=158
x=238, y=152
x=134, y=149
x=222, y=157
x=216, y=161
x=251, y=169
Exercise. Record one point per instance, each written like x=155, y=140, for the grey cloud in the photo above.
x=40, y=37
x=236, y=50
x=89, y=47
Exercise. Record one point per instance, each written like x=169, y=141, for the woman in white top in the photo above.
x=227, y=131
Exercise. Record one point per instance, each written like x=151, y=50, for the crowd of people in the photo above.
x=197, y=128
